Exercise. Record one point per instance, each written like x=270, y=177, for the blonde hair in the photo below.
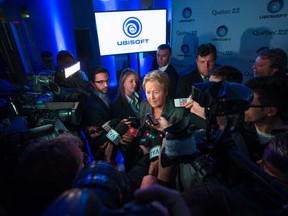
x=157, y=76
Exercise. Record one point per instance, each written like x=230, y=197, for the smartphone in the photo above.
x=195, y=94
x=180, y=102
x=132, y=118
x=151, y=119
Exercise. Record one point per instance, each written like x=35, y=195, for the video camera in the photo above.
x=205, y=148
x=97, y=190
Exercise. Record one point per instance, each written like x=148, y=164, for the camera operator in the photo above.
x=229, y=74
x=74, y=87
x=268, y=113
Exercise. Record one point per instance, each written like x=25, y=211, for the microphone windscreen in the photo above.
x=107, y=126
x=114, y=122
x=135, y=124
x=121, y=128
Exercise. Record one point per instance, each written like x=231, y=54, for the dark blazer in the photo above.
x=120, y=110
x=95, y=112
x=185, y=83
x=173, y=77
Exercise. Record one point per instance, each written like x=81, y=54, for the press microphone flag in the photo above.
x=132, y=129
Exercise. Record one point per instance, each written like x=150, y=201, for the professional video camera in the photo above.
x=217, y=154
x=97, y=190
x=36, y=110
x=218, y=99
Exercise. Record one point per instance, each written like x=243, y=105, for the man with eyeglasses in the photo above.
x=97, y=108
x=267, y=114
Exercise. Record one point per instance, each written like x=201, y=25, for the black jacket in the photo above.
x=95, y=112
x=185, y=83
x=120, y=110
x=173, y=78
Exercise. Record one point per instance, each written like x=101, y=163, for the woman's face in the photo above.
x=155, y=94
x=130, y=84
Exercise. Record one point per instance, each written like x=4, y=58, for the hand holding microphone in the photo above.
x=132, y=131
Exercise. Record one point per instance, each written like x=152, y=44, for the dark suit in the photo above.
x=173, y=78
x=185, y=83
x=120, y=110
x=95, y=112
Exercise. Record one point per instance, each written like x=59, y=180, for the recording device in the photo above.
x=107, y=126
x=151, y=119
x=180, y=102
x=97, y=190
x=133, y=128
x=195, y=93
x=222, y=98
x=132, y=118
x=184, y=143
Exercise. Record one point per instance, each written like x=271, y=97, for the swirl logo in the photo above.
x=187, y=12
x=132, y=27
x=185, y=48
x=275, y=6
x=222, y=31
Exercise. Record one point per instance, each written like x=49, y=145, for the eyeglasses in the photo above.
x=101, y=82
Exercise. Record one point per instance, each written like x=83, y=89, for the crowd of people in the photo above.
x=136, y=137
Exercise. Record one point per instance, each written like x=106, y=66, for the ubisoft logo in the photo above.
x=132, y=27
x=187, y=12
x=275, y=6
x=185, y=48
x=222, y=31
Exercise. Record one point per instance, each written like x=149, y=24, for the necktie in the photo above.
x=206, y=79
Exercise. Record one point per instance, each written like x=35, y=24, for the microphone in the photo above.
x=114, y=135
x=155, y=145
x=132, y=128
x=107, y=126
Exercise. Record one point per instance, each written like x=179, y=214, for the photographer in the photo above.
x=72, y=88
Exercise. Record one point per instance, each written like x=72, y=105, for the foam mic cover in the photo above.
x=121, y=128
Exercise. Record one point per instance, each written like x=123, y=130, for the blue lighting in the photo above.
x=55, y=28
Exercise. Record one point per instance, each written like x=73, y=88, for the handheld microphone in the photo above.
x=132, y=128
x=114, y=135
x=107, y=126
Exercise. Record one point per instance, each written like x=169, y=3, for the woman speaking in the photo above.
x=157, y=103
